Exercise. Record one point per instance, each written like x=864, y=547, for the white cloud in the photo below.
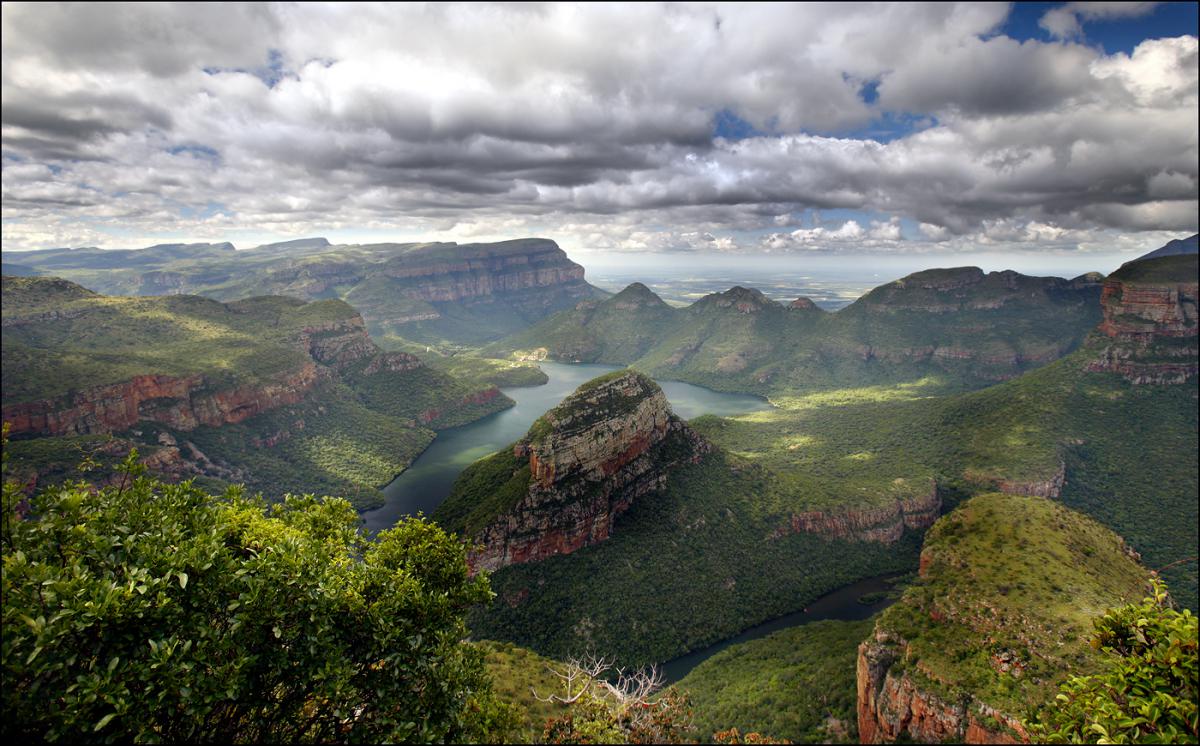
x=591, y=124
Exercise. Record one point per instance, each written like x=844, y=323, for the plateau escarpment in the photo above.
x=578, y=469
x=1000, y=615
x=1150, y=320
x=429, y=292
x=211, y=389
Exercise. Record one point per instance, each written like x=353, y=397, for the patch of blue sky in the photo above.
x=202, y=152
x=1167, y=19
x=212, y=208
x=270, y=74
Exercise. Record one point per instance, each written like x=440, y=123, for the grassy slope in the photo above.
x=1130, y=451
x=516, y=674
x=788, y=684
x=1016, y=576
x=106, y=339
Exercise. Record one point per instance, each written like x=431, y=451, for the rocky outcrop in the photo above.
x=482, y=270
x=478, y=397
x=1149, y=331
x=1051, y=487
x=180, y=402
x=338, y=343
x=884, y=524
x=803, y=304
x=611, y=442
x=892, y=706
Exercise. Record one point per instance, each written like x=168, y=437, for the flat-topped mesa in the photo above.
x=1150, y=320
x=457, y=273
x=943, y=291
x=581, y=465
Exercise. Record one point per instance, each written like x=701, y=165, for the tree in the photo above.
x=154, y=612
x=1147, y=692
x=610, y=705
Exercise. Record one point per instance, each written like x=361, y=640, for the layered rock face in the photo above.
x=183, y=403
x=884, y=524
x=1150, y=321
x=611, y=442
x=893, y=707
x=484, y=270
x=187, y=402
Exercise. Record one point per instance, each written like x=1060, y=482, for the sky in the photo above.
x=1066, y=131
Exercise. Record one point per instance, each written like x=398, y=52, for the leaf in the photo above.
x=104, y=721
x=183, y=580
x=278, y=632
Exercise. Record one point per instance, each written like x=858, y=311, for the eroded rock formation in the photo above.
x=884, y=524
x=611, y=442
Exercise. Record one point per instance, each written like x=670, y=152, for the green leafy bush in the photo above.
x=1147, y=692
x=152, y=612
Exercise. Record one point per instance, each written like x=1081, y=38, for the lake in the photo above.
x=427, y=482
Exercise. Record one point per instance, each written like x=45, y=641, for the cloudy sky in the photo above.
x=858, y=128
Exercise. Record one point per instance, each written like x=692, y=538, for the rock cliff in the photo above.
x=1001, y=613
x=884, y=524
x=610, y=443
x=1149, y=331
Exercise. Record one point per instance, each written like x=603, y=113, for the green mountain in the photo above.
x=614, y=528
x=428, y=293
x=1000, y=615
x=282, y=395
x=959, y=327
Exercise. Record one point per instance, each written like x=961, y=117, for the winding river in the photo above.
x=427, y=482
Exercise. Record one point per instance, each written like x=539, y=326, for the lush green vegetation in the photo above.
x=78, y=339
x=1004, y=606
x=519, y=677
x=1146, y=691
x=154, y=612
x=683, y=569
x=1161, y=269
x=992, y=327
x=1130, y=452
x=797, y=684
x=383, y=281
x=350, y=435
x=487, y=488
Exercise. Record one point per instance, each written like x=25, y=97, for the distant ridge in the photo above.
x=1178, y=247
x=298, y=243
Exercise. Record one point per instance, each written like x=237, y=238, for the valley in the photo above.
x=787, y=459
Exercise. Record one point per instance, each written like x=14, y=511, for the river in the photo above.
x=427, y=482
x=841, y=604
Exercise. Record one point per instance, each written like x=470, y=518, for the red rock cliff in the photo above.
x=884, y=524
x=589, y=459
x=1150, y=321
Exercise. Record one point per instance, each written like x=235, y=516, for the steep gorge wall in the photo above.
x=884, y=524
x=593, y=457
x=1149, y=330
x=893, y=706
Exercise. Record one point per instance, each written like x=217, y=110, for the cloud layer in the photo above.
x=592, y=124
